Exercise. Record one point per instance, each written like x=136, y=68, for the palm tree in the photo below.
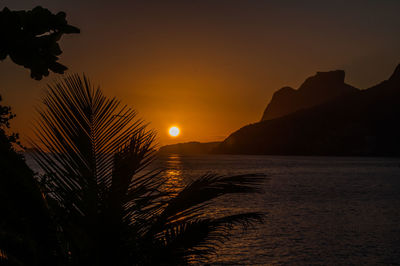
x=110, y=208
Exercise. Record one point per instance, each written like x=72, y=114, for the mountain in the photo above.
x=354, y=123
x=322, y=87
x=189, y=148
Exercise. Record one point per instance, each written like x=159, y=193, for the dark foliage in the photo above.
x=31, y=38
x=5, y=116
x=27, y=236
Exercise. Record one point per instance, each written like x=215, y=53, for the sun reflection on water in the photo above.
x=173, y=174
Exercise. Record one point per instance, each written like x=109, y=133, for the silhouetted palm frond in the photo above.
x=184, y=230
x=111, y=209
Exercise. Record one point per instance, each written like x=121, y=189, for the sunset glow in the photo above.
x=199, y=132
x=174, y=131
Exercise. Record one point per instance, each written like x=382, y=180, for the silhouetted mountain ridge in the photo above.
x=355, y=122
x=189, y=148
x=315, y=90
x=396, y=75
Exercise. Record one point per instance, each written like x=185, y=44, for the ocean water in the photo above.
x=319, y=210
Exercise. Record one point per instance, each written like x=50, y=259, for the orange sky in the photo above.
x=210, y=67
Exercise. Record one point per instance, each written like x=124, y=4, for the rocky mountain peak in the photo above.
x=396, y=74
x=315, y=90
x=323, y=80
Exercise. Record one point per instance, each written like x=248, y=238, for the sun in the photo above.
x=174, y=131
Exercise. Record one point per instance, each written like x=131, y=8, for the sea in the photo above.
x=318, y=210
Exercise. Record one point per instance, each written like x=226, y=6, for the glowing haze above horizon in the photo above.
x=209, y=67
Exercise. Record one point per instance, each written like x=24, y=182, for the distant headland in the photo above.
x=189, y=148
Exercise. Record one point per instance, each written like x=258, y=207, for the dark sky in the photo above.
x=210, y=67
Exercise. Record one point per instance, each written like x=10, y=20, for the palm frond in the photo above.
x=206, y=235
x=90, y=147
x=195, y=197
x=195, y=240
x=181, y=229
x=79, y=131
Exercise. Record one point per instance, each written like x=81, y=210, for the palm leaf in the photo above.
x=78, y=132
x=184, y=231
x=89, y=146
x=200, y=238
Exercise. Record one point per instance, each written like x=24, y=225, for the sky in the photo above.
x=209, y=67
